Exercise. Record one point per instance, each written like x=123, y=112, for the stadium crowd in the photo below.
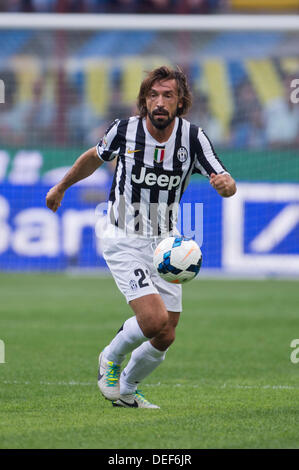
x=72, y=121
x=117, y=6
x=147, y=6
x=56, y=107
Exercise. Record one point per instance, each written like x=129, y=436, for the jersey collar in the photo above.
x=161, y=144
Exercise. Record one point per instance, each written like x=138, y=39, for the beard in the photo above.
x=158, y=122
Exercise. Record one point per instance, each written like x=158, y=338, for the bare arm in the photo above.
x=224, y=184
x=83, y=167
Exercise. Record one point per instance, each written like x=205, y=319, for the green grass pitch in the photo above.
x=227, y=381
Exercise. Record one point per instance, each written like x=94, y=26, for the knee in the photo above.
x=164, y=339
x=151, y=314
x=169, y=338
x=155, y=322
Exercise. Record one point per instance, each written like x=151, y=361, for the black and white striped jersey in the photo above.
x=150, y=177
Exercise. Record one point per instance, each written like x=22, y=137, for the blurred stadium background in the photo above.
x=231, y=379
x=63, y=87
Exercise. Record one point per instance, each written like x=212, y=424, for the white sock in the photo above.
x=144, y=360
x=127, y=339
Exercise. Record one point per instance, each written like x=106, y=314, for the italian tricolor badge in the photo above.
x=159, y=154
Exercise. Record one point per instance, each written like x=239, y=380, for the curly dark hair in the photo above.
x=161, y=74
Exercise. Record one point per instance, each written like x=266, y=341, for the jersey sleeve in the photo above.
x=206, y=160
x=108, y=147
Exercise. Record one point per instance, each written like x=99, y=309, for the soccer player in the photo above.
x=156, y=151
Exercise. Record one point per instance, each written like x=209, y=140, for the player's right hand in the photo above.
x=54, y=198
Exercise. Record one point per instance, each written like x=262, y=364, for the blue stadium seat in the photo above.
x=115, y=43
x=236, y=44
x=12, y=42
x=236, y=71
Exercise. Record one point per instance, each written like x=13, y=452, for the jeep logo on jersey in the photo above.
x=156, y=178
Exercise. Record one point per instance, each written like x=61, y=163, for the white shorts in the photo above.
x=130, y=260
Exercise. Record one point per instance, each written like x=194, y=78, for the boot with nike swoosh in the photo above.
x=134, y=400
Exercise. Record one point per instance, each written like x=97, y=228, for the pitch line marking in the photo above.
x=93, y=384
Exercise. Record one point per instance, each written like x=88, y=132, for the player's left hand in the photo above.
x=224, y=184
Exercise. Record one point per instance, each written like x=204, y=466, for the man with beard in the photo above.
x=156, y=151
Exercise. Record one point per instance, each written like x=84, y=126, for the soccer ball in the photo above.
x=177, y=259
